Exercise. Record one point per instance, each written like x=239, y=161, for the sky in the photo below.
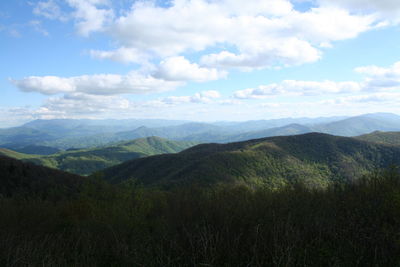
x=199, y=60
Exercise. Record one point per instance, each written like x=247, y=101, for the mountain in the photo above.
x=259, y=125
x=291, y=129
x=87, y=161
x=19, y=177
x=315, y=159
x=361, y=125
x=14, y=154
x=65, y=133
x=23, y=136
x=178, y=132
x=390, y=138
x=86, y=127
x=336, y=126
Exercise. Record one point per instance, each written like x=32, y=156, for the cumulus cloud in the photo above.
x=261, y=33
x=180, y=69
x=377, y=79
x=251, y=35
x=89, y=15
x=122, y=55
x=381, y=79
x=79, y=104
x=386, y=9
x=201, y=97
x=298, y=88
x=100, y=84
x=374, y=98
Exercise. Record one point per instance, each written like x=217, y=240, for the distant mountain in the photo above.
x=23, y=136
x=87, y=161
x=21, y=178
x=291, y=129
x=64, y=134
x=361, y=125
x=390, y=138
x=38, y=150
x=259, y=125
x=177, y=132
x=14, y=154
x=316, y=159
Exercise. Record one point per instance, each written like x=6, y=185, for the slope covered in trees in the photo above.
x=17, y=177
x=87, y=161
x=119, y=225
x=316, y=159
x=389, y=138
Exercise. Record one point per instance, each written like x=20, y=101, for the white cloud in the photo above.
x=247, y=35
x=180, y=69
x=89, y=17
x=377, y=79
x=261, y=33
x=50, y=10
x=381, y=79
x=122, y=55
x=201, y=97
x=298, y=88
x=100, y=84
x=83, y=104
x=370, y=98
x=385, y=9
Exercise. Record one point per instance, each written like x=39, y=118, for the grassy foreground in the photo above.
x=108, y=225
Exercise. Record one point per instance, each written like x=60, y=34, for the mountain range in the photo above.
x=315, y=159
x=47, y=137
x=87, y=161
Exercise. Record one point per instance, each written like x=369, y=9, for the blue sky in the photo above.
x=202, y=60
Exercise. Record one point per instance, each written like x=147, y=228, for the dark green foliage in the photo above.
x=37, y=150
x=353, y=224
x=389, y=138
x=20, y=178
x=316, y=159
x=87, y=161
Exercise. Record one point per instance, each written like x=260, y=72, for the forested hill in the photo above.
x=87, y=161
x=315, y=159
x=389, y=138
x=17, y=177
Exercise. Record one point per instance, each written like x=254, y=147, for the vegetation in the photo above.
x=306, y=200
x=316, y=159
x=354, y=224
x=14, y=154
x=390, y=138
x=45, y=136
x=26, y=179
x=87, y=161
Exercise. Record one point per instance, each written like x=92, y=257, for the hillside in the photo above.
x=19, y=177
x=390, y=138
x=87, y=161
x=47, y=136
x=315, y=159
x=14, y=154
x=361, y=125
